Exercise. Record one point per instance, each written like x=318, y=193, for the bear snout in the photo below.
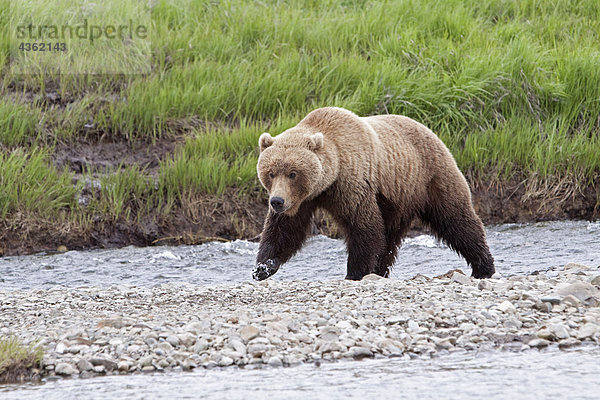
x=277, y=203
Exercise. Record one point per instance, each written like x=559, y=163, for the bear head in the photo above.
x=290, y=168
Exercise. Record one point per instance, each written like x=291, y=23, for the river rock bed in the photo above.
x=123, y=329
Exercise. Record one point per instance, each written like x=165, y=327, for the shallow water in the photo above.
x=517, y=248
x=494, y=375
x=551, y=374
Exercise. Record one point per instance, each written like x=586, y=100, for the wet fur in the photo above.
x=378, y=174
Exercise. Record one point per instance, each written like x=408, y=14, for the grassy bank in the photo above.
x=17, y=362
x=512, y=87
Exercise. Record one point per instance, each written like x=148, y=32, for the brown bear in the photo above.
x=374, y=175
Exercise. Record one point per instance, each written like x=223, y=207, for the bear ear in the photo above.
x=264, y=141
x=316, y=141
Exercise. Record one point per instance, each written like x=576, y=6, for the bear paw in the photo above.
x=264, y=270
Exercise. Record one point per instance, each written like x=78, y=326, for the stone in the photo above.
x=166, y=347
x=507, y=307
x=64, y=368
x=372, y=277
x=84, y=365
x=484, y=284
x=587, y=331
x=248, y=333
x=172, y=340
x=200, y=345
x=552, y=299
x=123, y=366
x=572, y=300
x=109, y=365
x=329, y=333
x=572, y=265
x=596, y=281
x=275, y=362
x=187, y=339
x=238, y=346
x=146, y=361
x=225, y=361
x=148, y=368
x=539, y=343
x=359, y=353
x=460, y=278
x=560, y=331
x=582, y=290
x=545, y=334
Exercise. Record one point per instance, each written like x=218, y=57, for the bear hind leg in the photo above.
x=396, y=227
x=462, y=230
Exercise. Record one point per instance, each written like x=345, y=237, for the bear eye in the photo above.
x=271, y=175
x=292, y=175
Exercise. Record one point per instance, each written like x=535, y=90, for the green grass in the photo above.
x=512, y=87
x=15, y=358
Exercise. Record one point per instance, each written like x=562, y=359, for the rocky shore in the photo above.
x=117, y=330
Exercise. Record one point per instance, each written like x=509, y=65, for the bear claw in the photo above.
x=264, y=270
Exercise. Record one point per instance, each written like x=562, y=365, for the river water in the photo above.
x=517, y=248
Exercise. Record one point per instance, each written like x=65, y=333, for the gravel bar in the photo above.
x=126, y=329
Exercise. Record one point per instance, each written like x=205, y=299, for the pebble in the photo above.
x=285, y=323
x=65, y=369
x=248, y=333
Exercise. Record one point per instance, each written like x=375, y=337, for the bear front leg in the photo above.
x=365, y=241
x=282, y=237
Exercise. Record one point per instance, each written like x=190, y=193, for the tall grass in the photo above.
x=28, y=183
x=512, y=87
x=15, y=358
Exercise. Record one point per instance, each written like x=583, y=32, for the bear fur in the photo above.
x=374, y=175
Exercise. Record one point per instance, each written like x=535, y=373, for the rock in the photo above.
x=109, y=365
x=238, y=346
x=359, y=353
x=572, y=265
x=460, y=278
x=248, y=333
x=545, y=334
x=64, y=368
x=148, y=368
x=188, y=365
x=225, y=361
x=166, y=347
x=61, y=348
x=559, y=331
x=596, y=281
x=275, y=362
x=552, y=299
x=200, y=345
x=372, y=277
x=84, y=365
x=507, y=307
x=99, y=369
x=124, y=366
x=329, y=333
x=543, y=306
x=582, y=290
x=538, y=343
x=484, y=284
x=146, y=361
x=587, y=331
x=116, y=322
x=186, y=339
x=571, y=300
x=569, y=342
x=172, y=340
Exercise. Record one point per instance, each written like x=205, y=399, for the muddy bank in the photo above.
x=240, y=216
x=91, y=331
